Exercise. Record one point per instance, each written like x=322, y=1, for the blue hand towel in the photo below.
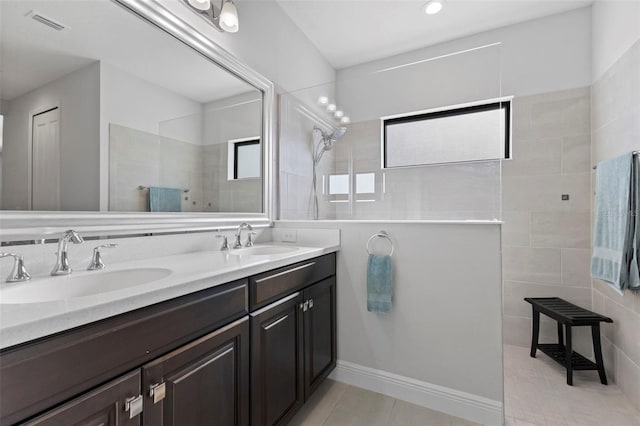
x=165, y=199
x=379, y=283
x=614, y=225
x=634, y=270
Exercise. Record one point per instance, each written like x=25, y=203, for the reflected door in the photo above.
x=45, y=190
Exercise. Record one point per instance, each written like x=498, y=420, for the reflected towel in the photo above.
x=379, y=283
x=614, y=239
x=165, y=199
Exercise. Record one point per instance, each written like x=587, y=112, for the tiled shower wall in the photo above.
x=616, y=130
x=545, y=240
x=457, y=191
x=142, y=158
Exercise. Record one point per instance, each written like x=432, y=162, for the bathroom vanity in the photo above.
x=247, y=351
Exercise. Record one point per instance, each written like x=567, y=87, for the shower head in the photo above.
x=327, y=141
x=330, y=138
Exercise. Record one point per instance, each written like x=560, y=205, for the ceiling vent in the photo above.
x=46, y=21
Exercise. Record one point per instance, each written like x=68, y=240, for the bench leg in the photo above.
x=569, y=355
x=597, y=351
x=560, y=335
x=535, y=332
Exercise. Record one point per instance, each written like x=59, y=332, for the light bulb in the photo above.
x=331, y=107
x=338, y=114
x=229, y=17
x=200, y=4
x=345, y=120
x=433, y=7
x=323, y=100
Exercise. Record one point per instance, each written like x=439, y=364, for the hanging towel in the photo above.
x=614, y=226
x=634, y=270
x=165, y=199
x=379, y=283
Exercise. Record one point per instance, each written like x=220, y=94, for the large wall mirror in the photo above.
x=121, y=108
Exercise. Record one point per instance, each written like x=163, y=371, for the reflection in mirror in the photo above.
x=98, y=103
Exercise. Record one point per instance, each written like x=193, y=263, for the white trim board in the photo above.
x=453, y=402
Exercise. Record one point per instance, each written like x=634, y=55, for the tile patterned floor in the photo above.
x=339, y=404
x=536, y=394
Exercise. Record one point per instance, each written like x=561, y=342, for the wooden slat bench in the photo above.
x=569, y=315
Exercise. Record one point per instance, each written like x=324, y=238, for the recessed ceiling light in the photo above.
x=433, y=7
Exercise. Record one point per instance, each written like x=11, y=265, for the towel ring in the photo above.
x=381, y=234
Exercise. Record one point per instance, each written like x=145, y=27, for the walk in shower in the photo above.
x=423, y=140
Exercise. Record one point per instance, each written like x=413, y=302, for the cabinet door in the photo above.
x=276, y=362
x=104, y=406
x=203, y=383
x=319, y=333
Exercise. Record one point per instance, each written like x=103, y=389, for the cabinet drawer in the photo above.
x=72, y=362
x=270, y=286
x=102, y=406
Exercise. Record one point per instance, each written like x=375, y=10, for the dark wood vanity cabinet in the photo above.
x=104, y=406
x=320, y=333
x=203, y=383
x=247, y=352
x=293, y=344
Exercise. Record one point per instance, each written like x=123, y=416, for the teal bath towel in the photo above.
x=379, y=283
x=615, y=238
x=165, y=199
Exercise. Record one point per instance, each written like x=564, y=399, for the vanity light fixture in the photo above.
x=338, y=114
x=331, y=107
x=223, y=18
x=345, y=120
x=433, y=6
x=323, y=101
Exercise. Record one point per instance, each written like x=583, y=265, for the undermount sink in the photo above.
x=263, y=251
x=81, y=285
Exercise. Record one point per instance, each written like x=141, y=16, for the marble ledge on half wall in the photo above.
x=302, y=223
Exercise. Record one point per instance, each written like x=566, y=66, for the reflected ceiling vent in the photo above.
x=46, y=21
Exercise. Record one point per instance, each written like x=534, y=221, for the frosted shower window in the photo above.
x=244, y=158
x=452, y=135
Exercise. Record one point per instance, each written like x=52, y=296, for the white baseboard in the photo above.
x=456, y=403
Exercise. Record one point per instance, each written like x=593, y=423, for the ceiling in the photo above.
x=33, y=54
x=350, y=32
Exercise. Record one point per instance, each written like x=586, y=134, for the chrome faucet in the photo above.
x=96, y=260
x=238, y=243
x=18, y=272
x=62, y=262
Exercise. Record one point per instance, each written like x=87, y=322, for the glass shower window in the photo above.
x=449, y=135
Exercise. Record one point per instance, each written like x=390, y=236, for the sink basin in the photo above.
x=263, y=251
x=83, y=284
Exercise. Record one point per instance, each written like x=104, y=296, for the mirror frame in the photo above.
x=38, y=225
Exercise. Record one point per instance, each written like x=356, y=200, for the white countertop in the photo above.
x=191, y=272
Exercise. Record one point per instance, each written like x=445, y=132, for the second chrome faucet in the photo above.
x=62, y=256
x=249, y=243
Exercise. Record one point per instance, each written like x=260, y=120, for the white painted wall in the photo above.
x=538, y=56
x=132, y=102
x=269, y=42
x=615, y=27
x=78, y=96
x=237, y=117
x=445, y=326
